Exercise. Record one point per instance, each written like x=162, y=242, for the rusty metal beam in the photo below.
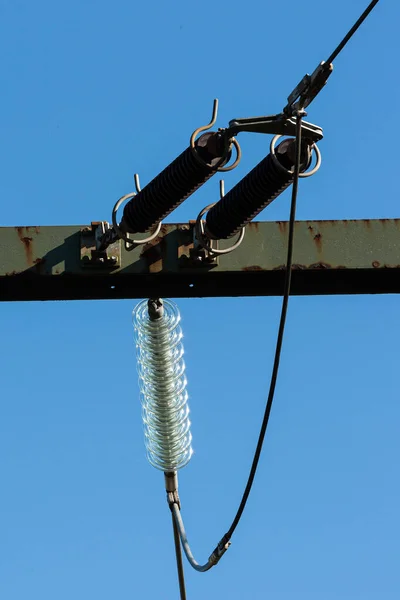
x=330, y=257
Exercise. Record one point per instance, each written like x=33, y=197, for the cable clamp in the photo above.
x=219, y=551
x=281, y=124
x=173, y=498
x=308, y=88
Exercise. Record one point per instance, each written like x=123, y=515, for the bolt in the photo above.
x=85, y=259
x=184, y=227
x=100, y=260
x=113, y=258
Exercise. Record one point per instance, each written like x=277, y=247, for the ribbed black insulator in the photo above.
x=175, y=183
x=254, y=192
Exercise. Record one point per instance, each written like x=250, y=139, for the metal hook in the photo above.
x=238, y=157
x=221, y=189
x=137, y=182
x=205, y=127
x=129, y=242
x=206, y=242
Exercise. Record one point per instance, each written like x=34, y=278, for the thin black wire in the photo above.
x=285, y=301
x=286, y=292
x=352, y=31
x=220, y=549
x=274, y=376
x=179, y=562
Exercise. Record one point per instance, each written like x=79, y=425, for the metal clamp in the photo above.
x=308, y=88
x=219, y=551
x=280, y=166
x=95, y=254
x=274, y=124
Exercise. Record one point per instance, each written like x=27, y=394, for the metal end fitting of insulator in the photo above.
x=256, y=190
x=171, y=487
x=171, y=481
x=155, y=308
x=176, y=182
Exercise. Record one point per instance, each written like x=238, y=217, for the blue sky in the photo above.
x=91, y=93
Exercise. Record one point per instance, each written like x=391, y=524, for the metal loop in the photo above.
x=129, y=242
x=204, y=241
x=238, y=157
x=278, y=164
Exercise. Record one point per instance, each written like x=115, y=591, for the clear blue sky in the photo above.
x=91, y=93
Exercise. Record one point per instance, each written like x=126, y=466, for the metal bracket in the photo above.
x=276, y=125
x=92, y=254
x=199, y=256
x=308, y=88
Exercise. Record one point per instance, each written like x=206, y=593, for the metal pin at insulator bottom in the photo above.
x=255, y=191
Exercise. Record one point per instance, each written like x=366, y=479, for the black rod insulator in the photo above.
x=255, y=191
x=175, y=183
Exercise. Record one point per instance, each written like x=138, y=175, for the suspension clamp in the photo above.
x=308, y=88
x=281, y=124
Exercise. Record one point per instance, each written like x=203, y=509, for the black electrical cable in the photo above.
x=179, y=562
x=225, y=541
x=352, y=31
x=286, y=293
x=281, y=330
x=178, y=523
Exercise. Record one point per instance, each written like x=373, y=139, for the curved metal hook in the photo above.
x=137, y=182
x=238, y=157
x=221, y=188
x=129, y=242
x=205, y=127
x=204, y=241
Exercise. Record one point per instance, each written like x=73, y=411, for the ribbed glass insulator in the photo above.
x=162, y=384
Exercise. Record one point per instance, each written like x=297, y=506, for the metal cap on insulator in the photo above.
x=176, y=183
x=256, y=190
x=155, y=307
x=171, y=481
x=286, y=154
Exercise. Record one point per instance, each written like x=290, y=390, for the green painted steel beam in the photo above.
x=330, y=257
